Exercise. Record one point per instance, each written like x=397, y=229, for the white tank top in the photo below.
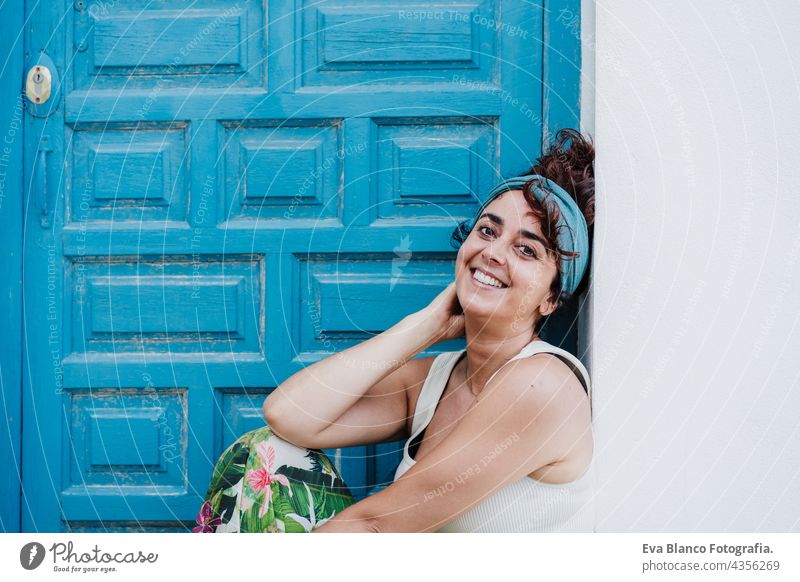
x=526, y=505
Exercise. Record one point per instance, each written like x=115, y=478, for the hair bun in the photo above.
x=569, y=162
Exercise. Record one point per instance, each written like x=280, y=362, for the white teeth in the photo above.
x=487, y=279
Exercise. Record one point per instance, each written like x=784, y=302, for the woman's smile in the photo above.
x=482, y=279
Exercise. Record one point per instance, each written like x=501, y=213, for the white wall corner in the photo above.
x=585, y=321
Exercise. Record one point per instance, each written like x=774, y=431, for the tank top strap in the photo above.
x=543, y=347
x=432, y=389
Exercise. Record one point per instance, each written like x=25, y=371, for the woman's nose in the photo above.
x=493, y=253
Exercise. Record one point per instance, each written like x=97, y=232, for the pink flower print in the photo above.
x=205, y=523
x=260, y=479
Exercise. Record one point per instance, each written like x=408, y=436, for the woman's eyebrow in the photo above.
x=525, y=233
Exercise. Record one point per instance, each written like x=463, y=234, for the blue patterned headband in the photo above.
x=573, y=233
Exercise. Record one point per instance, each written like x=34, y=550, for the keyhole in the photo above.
x=38, y=89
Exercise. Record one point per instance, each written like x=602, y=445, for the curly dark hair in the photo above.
x=569, y=162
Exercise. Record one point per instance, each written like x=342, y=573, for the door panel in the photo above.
x=239, y=191
x=12, y=16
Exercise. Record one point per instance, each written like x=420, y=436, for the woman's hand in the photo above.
x=443, y=318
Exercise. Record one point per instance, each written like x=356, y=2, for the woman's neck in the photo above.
x=487, y=352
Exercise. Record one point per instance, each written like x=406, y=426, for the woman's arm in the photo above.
x=532, y=414
x=313, y=399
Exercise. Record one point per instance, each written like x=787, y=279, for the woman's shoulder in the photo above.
x=557, y=374
x=555, y=366
x=547, y=383
x=545, y=387
x=572, y=363
x=561, y=367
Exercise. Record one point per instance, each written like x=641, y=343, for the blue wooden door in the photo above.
x=219, y=193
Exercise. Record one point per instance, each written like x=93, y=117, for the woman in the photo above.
x=499, y=435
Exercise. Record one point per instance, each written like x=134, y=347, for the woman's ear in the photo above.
x=548, y=306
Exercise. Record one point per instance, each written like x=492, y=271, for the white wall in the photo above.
x=695, y=346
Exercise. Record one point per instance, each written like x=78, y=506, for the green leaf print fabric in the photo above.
x=262, y=483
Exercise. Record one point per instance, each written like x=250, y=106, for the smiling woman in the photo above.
x=499, y=435
x=562, y=181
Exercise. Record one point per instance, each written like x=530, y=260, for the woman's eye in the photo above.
x=526, y=250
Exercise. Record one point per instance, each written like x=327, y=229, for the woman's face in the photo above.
x=502, y=270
